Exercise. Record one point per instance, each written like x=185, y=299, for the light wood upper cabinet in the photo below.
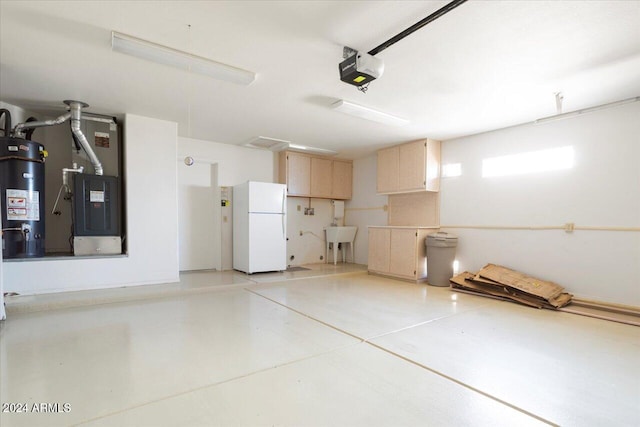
x=297, y=174
x=321, y=177
x=413, y=174
x=410, y=167
x=388, y=170
x=342, y=180
x=315, y=176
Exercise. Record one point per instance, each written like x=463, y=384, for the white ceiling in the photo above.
x=483, y=66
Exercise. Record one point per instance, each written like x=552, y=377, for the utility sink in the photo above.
x=335, y=235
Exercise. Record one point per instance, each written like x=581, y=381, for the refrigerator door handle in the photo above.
x=284, y=198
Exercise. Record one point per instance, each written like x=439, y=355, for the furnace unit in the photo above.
x=96, y=207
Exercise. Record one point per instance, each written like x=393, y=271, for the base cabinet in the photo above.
x=398, y=252
x=379, y=249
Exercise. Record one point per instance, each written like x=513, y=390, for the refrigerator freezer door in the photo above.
x=266, y=197
x=268, y=244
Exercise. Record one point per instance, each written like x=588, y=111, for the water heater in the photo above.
x=22, y=183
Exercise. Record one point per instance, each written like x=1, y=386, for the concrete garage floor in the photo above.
x=326, y=346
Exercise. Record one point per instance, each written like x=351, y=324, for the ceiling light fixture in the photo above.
x=368, y=113
x=315, y=150
x=176, y=58
x=588, y=110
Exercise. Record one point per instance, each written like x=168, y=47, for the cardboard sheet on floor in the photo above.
x=476, y=284
x=504, y=283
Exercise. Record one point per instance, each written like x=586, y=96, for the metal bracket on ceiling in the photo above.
x=559, y=98
x=348, y=52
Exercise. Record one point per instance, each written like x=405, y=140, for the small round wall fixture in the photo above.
x=188, y=161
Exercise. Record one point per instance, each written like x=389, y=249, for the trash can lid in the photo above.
x=441, y=236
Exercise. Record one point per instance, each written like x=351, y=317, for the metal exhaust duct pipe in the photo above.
x=20, y=128
x=75, y=108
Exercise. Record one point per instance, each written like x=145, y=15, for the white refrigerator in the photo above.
x=259, y=227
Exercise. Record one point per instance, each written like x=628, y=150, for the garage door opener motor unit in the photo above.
x=360, y=69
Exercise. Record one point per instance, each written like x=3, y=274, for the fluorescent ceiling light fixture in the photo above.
x=368, y=113
x=315, y=150
x=176, y=58
x=531, y=162
x=588, y=110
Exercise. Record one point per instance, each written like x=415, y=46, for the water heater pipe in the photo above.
x=75, y=109
x=67, y=171
x=20, y=128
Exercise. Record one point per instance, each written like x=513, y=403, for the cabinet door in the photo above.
x=433, y=165
x=387, y=174
x=412, y=171
x=342, y=180
x=298, y=175
x=379, y=249
x=320, y=177
x=403, y=252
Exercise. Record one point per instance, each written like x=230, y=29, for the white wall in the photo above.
x=233, y=165
x=199, y=222
x=308, y=248
x=602, y=189
x=366, y=207
x=151, y=203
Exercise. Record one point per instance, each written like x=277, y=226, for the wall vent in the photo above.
x=273, y=144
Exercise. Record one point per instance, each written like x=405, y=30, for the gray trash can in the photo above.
x=441, y=253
